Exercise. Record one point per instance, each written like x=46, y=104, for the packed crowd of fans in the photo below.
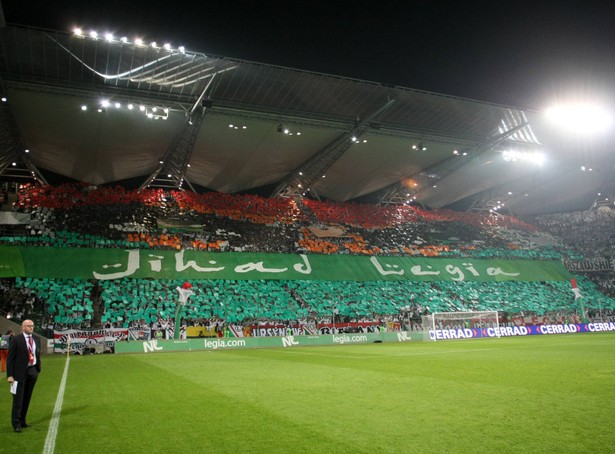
x=75, y=215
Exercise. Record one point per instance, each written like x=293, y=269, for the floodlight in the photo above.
x=139, y=42
x=93, y=34
x=533, y=157
x=581, y=118
x=77, y=31
x=84, y=107
x=124, y=39
x=109, y=36
x=104, y=103
x=182, y=49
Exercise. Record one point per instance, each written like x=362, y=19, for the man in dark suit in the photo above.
x=23, y=366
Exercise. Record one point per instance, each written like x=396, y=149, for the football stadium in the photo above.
x=220, y=255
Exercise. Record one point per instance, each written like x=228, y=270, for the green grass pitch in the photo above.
x=531, y=394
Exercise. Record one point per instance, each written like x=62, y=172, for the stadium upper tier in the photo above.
x=79, y=216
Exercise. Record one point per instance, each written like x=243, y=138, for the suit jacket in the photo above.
x=17, y=361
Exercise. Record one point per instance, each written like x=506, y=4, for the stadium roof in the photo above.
x=236, y=126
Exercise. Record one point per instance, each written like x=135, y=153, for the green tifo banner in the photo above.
x=106, y=264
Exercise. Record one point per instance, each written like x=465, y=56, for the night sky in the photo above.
x=522, y=54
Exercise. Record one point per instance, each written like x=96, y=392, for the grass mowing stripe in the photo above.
x=52, y=433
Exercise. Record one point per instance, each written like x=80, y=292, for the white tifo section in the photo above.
x=50, y=441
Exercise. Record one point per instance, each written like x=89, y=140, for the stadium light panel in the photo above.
x=580, y=118
x=533, y=157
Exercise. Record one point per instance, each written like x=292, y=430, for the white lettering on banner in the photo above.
x=258, y=266
x=384, y=272
x=455, y=272
x=302, y=267
x=216, y=344
x=450, y=334
x=180, y=266
x=289, y=341
x=403, y=336
x=151, y=346
x=497, y=271
x=133, y=265
x=596, y=327
x=557, y=329
x=345, y=339
x=418, y=271
x=471, y=269
x=507, y=331
x=155, y=265
x=305, y=267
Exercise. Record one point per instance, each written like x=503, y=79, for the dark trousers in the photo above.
x=21, y=400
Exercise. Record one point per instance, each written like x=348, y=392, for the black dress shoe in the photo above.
x=25, y=425
x=17, y=429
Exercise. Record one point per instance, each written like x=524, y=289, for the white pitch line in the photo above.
x=50, y=441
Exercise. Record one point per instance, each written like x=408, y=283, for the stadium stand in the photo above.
x=78, y=216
